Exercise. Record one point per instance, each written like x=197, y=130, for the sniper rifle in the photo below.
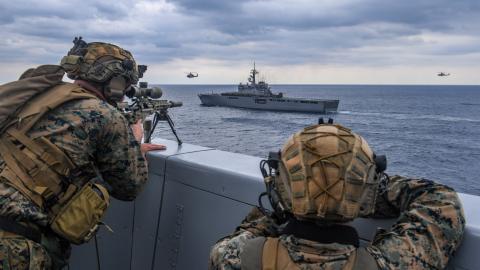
x=145, y=101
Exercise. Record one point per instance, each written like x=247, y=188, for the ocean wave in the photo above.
x=405, y=116
x=449, y=118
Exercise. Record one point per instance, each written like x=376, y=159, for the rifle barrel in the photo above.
x=176, y=103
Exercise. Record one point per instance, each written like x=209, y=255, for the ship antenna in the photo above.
x=253, y=73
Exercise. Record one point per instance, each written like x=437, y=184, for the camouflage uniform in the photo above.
x=88, y=131
x=16, y=252
x=428, y=230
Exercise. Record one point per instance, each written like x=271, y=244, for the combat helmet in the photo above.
x=324, y=172
x=101, y=63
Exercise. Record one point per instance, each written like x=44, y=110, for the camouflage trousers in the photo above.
x=19, y=253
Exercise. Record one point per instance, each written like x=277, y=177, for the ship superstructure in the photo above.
x=252, y=87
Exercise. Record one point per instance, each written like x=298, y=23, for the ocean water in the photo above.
x=425, y=131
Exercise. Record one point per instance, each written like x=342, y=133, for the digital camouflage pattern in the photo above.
x=88, y=131
x=18, y=253
x=428, y=230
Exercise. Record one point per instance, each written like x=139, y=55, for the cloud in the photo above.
x=301, y=14
x=276, y=32
x=208, y=5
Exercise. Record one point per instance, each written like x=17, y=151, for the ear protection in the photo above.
x=116, y=88
x=272, y=165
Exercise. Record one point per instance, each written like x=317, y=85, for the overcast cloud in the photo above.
x=313, y=41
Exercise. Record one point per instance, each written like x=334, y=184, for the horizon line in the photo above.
x=332, y=84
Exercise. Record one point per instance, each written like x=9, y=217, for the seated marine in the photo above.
x=324, y=177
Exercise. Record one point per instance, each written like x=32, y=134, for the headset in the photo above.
x=270, y=170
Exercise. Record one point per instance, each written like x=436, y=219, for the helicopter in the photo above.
x=192, y=75
x=443, y=74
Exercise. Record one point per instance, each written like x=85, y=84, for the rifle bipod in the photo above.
x=149, y=127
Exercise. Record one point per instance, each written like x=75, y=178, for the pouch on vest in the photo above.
x=77, y=221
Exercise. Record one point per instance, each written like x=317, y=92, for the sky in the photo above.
x=291, y=41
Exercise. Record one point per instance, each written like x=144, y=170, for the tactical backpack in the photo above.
x=36, y=167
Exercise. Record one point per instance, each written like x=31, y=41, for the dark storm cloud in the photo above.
x=68, y=10
x=275, y=32
x=258, y=17
x=302, y=31
x=316, y=14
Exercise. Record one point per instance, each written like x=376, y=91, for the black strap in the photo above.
x=15, y=227
x=326, y=234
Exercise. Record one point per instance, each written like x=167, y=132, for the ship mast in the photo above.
x=254, y=72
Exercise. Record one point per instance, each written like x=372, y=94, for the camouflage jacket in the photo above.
x=429, y=228
x=88, y=131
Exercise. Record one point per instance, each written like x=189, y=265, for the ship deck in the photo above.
x=196, y=195
x=275, y=96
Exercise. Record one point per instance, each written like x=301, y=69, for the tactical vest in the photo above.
x=269, y=254
x=38, y=169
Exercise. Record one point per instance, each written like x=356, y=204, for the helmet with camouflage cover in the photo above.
x=326, y=172
x=101, y=63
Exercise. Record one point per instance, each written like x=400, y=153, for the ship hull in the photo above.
x=270, y=103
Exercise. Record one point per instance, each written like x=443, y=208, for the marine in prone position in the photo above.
x=64, y=149
x=324, y=177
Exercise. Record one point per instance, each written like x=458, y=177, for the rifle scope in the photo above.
x=144, y=91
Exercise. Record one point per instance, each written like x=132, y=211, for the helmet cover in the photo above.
x=99, y=62
x=327, y=173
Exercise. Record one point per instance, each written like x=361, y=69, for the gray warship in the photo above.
x=253, y=95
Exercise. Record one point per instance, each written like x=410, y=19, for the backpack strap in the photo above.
x=36, y=167
x=275, y=256
x=17, y=177
x=270, y=252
